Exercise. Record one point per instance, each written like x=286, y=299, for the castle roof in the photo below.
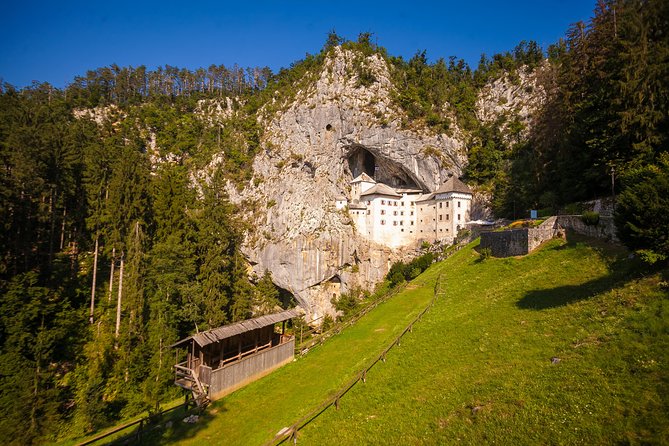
x=424, y=197
x=454, y=185
x=363, y=177
x=381, y=189
x=357, y=206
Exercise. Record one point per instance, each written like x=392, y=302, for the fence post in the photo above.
x=364, y=376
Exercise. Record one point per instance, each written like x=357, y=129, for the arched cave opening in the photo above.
x=286, y=298
x=361, y=160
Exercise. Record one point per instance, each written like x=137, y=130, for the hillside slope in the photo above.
x=567, y=345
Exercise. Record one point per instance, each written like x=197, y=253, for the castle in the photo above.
x=402, y=216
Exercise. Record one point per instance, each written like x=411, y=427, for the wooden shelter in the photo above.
x=223, y=359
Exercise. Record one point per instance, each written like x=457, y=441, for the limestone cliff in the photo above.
x=334, y=129
x=513, y=100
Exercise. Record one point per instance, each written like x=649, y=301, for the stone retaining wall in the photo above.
x=522, y=241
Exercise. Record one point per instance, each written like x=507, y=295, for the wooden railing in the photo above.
x=254, y=364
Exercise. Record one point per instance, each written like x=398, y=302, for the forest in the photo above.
x=119, y=239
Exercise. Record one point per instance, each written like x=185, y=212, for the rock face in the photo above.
x=333, y=130
x=513, y=97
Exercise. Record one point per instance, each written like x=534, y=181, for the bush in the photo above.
x=485, y=254
x=590, y=218
x=400, y=271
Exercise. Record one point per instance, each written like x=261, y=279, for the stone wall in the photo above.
x=522, y=241
x=513, y=242
x=606, y=229
x=519, y=242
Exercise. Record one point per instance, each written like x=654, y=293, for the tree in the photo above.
x=642, y=209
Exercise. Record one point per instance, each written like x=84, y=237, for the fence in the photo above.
x=291, y=432
x=142, y=425
x=303, y=347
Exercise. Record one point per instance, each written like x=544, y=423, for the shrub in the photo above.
x=485, y=254
x=590, y=218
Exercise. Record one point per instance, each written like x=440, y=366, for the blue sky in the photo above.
x=57, y=40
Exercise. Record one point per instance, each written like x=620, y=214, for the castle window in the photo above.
x=383, y=201
x=394, y=223
x=413, y=203
x=383, y=212
x=369, y=202
x=441, y=217
x=440, y=205
x=368, y=211
x=383, y=222
x=458, y=204
x=401, y=212
x=441, y=230
x=411, y=223
x=402, y=230
x=411, y=212
x=458, y=217
x=447, y=204
x=395, y=213
x=401, y=223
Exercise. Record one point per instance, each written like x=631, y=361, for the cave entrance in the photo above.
x=361, y=160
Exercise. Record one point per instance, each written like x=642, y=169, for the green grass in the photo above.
x=255, y=413
x=478, y=367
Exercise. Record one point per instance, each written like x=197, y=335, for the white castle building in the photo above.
x=401, y=216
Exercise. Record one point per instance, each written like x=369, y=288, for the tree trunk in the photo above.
x=111, y=275
x=95, y=274
x=62, y=229
x=118, y=302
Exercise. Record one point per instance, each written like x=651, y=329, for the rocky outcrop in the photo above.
x=334, y=129
x=513, y=101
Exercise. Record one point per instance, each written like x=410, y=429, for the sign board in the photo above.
x=533, y=214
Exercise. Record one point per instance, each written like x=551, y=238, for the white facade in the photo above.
x=406, y=216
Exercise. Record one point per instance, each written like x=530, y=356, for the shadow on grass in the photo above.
x=621, y=270
x=171, y=428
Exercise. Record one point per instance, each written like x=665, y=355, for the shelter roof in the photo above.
x=227, y=331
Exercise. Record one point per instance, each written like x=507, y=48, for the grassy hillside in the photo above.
x=567, y=345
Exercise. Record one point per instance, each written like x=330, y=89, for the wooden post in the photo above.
x=364, y=376
x=337, y=403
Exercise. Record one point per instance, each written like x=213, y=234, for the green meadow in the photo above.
x=569, y=345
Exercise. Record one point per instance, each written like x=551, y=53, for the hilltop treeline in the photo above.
x=607, y=113
x=95, y=219
x=129, y=210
